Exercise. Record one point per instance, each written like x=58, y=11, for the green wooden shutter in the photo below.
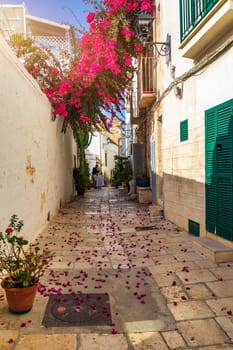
x=219, y=161
x=184, y=130
x=211, y=193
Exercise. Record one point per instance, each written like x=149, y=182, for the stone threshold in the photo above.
x=156, y=211
x=217, y=251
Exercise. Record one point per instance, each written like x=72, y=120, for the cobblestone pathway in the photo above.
x=135, y=282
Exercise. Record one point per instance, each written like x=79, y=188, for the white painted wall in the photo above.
x=36, y=159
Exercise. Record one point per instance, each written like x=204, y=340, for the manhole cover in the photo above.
x=145, y=228
x=70, y=310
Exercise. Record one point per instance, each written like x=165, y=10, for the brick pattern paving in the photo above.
x=94, y=237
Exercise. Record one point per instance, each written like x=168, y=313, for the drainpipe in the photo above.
x=100, y=140
x=24, y=21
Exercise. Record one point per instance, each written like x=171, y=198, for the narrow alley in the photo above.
x=122, y=279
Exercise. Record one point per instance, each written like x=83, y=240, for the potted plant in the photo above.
x=21, y=266
x=122, y=172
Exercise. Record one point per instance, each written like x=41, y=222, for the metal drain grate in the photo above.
x=70, y=310
x=145, y=228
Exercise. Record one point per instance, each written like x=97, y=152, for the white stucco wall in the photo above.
x=36, y=159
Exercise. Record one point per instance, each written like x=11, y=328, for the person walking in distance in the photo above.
x=94, y=174
x=99, y=180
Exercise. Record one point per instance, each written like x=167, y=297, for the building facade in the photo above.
x=15, y=19
x=184, y=115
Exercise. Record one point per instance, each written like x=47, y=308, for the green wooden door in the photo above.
x=219, y=170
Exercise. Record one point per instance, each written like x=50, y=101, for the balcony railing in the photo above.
x=192, y=13
x=146, y=80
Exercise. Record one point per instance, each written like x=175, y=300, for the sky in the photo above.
x=61, y=11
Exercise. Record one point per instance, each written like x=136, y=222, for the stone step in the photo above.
x=217, y=251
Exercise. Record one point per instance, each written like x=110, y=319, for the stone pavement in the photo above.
x=157, y=291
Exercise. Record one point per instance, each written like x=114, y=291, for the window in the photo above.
x=184, y=130
x=204, y=23
x=192, y=13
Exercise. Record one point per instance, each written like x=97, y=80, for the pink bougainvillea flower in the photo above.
x=49, y=92
x=146, y=6
x=128, y=32
x=90, y=17
x=112, y=324
x=84, y=119
x=72, y=101
x=65, y=87
x=128, y=62
x=114, y=331
x=132, y=6
x=60, y=110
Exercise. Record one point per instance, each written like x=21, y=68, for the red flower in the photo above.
x=9, y=230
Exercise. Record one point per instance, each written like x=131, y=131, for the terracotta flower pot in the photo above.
x=20, y=300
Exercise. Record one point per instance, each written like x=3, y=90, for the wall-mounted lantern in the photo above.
x=145, y=34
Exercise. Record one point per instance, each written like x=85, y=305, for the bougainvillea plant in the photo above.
x=90, y=92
